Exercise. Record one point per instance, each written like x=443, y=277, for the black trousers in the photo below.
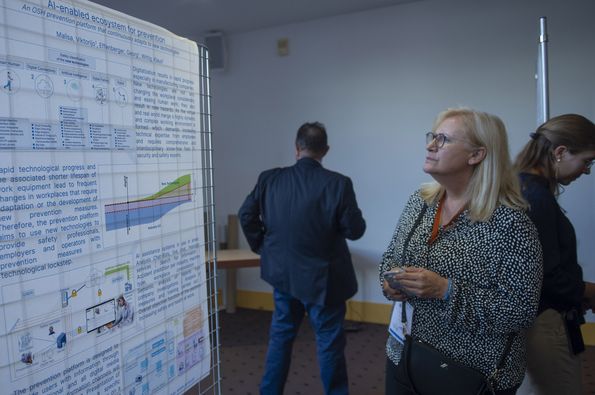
x=392, y=387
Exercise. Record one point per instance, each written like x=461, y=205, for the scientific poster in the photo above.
x=102, y=281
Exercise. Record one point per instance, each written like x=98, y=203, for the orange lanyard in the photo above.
x=438, y=217
x=436, y=225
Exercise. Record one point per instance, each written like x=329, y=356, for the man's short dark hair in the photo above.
x=311, y=136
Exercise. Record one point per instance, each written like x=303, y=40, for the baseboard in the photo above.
x=255, y=300
x=376, y=313
x=588, y=330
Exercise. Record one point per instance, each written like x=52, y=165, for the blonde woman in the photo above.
x=470, y=255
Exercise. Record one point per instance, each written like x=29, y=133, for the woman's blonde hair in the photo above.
x=493, y=181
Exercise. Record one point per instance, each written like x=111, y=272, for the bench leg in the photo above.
x=230, y=290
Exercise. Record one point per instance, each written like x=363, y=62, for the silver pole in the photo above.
x=544, y=106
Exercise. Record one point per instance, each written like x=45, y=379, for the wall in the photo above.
x=377, y=79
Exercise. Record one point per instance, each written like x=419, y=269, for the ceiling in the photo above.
x=194, y=18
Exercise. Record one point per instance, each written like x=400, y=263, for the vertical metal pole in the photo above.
x=211, y=191
x=210, y=226
x=543, y=88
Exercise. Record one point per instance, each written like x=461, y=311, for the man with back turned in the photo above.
x=298, y=219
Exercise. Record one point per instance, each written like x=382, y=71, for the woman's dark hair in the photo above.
x=573, y=131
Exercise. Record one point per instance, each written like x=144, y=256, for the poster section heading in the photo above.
x=87, y=20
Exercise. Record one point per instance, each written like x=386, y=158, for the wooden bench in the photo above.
x=230, y=261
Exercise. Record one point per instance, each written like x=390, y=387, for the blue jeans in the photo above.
x=327, y=322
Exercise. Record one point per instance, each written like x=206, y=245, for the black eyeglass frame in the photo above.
x=439, y=139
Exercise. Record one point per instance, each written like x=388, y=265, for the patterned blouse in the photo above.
x=496, y=270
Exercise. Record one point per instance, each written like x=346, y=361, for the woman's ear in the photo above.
x=559, y=152
x=477, y=156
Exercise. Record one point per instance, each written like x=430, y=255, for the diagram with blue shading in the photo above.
x=191, y=351
x=125, y=215
x=51, y=318
x=149, y=366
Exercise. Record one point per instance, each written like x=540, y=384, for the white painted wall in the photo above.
x=377, y=79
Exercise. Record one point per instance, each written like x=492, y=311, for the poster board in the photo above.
x=103, y=286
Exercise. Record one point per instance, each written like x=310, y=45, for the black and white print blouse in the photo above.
x=496, y=271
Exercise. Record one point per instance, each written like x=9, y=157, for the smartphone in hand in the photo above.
x=391, y=279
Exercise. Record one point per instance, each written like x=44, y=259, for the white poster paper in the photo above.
x=102, y=275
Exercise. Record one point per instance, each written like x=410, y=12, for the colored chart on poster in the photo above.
x=150, y=209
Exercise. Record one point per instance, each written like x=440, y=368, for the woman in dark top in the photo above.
x=559, y=152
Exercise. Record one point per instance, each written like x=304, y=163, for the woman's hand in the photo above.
x=392, y=294
x=422, y=283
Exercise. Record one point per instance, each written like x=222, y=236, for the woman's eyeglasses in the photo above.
x=439, y=139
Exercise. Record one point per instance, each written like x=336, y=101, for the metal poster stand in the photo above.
x=108, y=261
x=543, y=107
x=212, y=383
